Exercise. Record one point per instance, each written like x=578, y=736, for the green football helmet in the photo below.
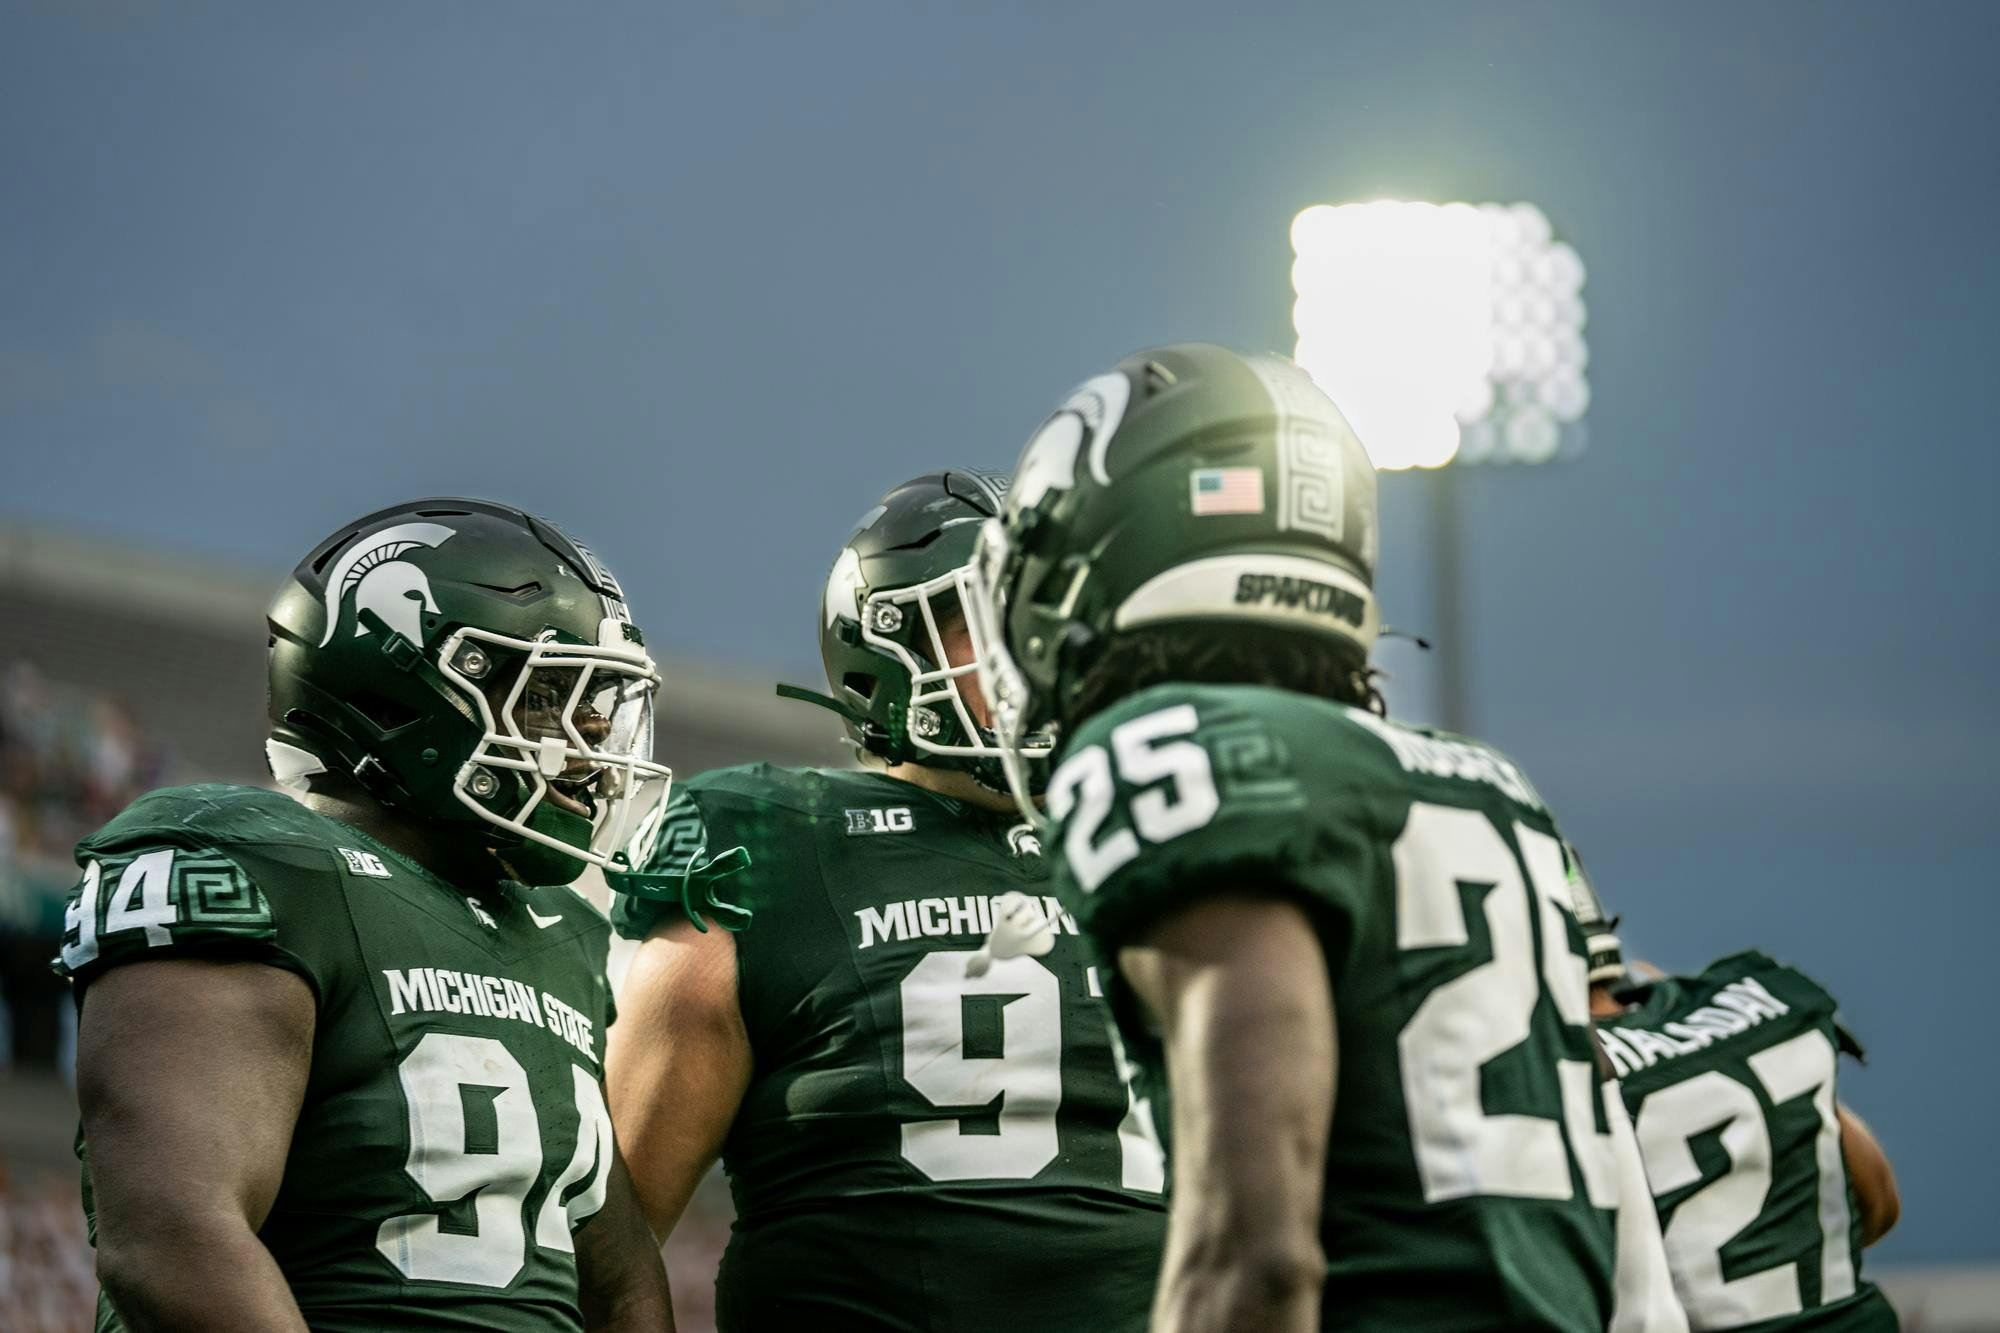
x=471, y=664
x=899, y=579
x=1187, y=486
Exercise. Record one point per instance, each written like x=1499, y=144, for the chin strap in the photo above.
x=1391, y=632
x=826, y=701
x=693, y=888
x=895, y=747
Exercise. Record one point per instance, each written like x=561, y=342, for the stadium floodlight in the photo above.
x=1444, y=332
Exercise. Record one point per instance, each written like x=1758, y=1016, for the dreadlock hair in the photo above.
x=1224, y=654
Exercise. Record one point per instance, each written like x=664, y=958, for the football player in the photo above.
x=916, y=1138
x=339, y=1058
x=1345, y=944
x=1767, y=1187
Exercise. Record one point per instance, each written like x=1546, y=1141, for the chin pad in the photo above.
x=540, y=865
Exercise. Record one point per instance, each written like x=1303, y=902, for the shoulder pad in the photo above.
x=211, y=815
x=805, y=791
x=1783, y=974
x=1736, y=964
x=1419, y=750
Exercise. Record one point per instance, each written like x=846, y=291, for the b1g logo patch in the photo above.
x=893, y=819
x=364, y=863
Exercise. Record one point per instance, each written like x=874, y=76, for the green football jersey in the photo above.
x=1470, y=1176
x=1730, y=1077
x=453, y=1132
x=918, y=1149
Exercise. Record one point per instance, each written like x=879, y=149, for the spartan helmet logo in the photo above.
x=843, y=588
x=1022, y=840
x=393, y=589
x=1090, y=417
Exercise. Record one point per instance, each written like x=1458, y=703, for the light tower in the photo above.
x=1449, y=335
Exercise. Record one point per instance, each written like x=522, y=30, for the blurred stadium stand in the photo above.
x=121, y=670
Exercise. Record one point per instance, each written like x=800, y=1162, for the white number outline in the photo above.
x=81, y=916
x=1143, y=760
x=149, y=877
x=432, y=1077
x=1792, y=1068
x=1084, y=784
x=1483, y=1013
x=591, y=1160
x=935, y=1067
x=1710, y=1218
x=1026, y=1076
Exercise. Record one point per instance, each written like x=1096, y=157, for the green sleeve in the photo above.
x=142, y=897
x=1220, y=805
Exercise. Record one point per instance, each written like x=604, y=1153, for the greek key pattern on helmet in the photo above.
x=595, y=568
x=993, y=485
x=1312, y=491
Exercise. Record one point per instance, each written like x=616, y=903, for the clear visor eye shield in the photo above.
x=919, y=614
x=576, y=725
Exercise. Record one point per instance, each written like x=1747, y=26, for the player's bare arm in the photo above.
x=678, y=1064
x=1874, y=1180
x=622, y=1284
x=190, y=1075
x=1239, y=987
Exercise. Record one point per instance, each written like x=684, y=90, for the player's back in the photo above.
x=452, y=1130
x=918, y=1148
x=1468, y=1172
x=1730, y=1075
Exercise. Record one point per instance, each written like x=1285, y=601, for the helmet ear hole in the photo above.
x=859, y=683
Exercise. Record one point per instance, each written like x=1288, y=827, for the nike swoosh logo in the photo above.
x=543, y=921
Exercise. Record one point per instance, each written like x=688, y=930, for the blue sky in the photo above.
x=699, y=282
